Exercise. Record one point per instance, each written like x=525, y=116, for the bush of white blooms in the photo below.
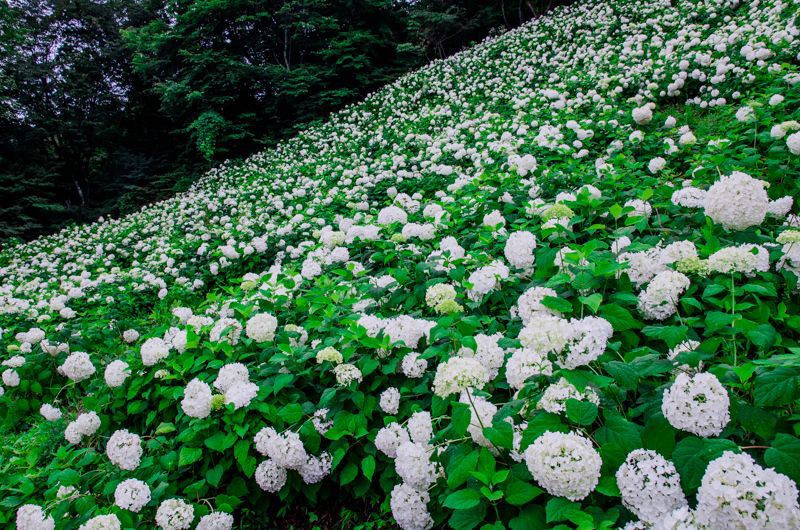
x=551, y=281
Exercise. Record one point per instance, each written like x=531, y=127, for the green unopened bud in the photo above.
x=557, y=211
x=217, y=402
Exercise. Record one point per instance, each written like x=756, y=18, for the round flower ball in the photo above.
x=564, y=464
x=174, y=514
x=697, y=404
x=261, y=327
x=737, y=201
x=270, y=476
x=738, y=493
x=124, y=449
x=650, y=485
x=215, y=521
x=132, y=494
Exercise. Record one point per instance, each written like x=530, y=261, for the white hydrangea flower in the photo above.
x=793, y=143
x=486, y=280
x=420, y=427
x=642, y=115
x=124, y=449
x=392, y=214
x=413, y=465
x=391, y=437
x=412, y=366
x=737, y=201
x=316, y=468
x=738, y=493
x=494, y=219
x=545, y=333
x=746, y=259
x=529, y=304
x=556, y=395
x=270, y=476
x=261, y=327
x=11, y=378
x=390, y=400
x=240, y=394
x=132, y=494
x=660, y=300
x=84, y=425
x=410, y=508
x=49, y=412
x=650, y=485
x=683, y=518
x=564, y=464
x=588, y=339
x=320, y=421
x=102, y=522
x=697, y=404
x=656, y=165
x=153, y=350
x=226, y=330
x=77, y=367
x=215, y=521
x=196, y=402
x=489, y=353
x=231, y=374
x=347, y=373
x=174, y=514
x=116, y=373
x=32, y=517
x=285, y=450
x=130, y=336
x=457, y=374
x=525, y=363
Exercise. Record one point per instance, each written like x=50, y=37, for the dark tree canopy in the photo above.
x=105, y=106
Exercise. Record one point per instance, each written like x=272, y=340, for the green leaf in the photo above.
x=581, y=412
x=784, y=456
x=776, y=387
x=368, y=466
x=659, y=435
x=281, y=382
x=221, y=441
x=291, y=413
x=692, y=455
x=620, y=318
x=348, y=474
x=518, y=492
x=214, y=475
x=460, y=418
x=189, y=455
x=592, y=301
x=501, y=435
x=624, y=374
x=557, y=304
x=468, y=519
x=462, y=499
x=672, y=335
x=763, y=336
x=459, y=469
x=756, y=420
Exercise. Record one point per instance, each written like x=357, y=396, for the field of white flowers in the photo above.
x=549, y=282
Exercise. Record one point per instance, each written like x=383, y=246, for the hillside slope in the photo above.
x=549, y=281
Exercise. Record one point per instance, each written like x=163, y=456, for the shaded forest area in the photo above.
x=108, y=105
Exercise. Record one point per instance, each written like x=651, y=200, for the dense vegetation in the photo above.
x=105, y=106
x=551, y=281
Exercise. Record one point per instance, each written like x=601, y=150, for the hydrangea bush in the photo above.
x=550, y=281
